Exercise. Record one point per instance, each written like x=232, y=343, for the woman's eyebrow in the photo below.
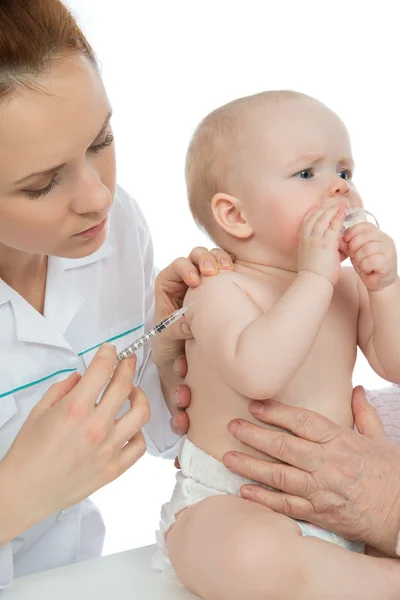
x=58, y=167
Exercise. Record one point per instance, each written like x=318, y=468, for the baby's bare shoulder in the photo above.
x=227, y=286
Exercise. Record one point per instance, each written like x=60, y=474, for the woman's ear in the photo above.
x=230, y=215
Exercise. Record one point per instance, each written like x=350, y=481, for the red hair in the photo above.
x=34, y=34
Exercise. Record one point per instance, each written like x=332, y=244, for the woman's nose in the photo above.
x=93, y=195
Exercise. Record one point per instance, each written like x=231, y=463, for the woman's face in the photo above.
x=57, y=163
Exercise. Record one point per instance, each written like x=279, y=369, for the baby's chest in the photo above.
x=336, y=341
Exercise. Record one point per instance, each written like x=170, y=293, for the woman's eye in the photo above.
x=107, y=142
x=35, y=194
x=305, y=174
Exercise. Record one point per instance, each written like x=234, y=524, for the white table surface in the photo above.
x=123, y=576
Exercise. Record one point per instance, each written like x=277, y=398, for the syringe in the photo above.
x=152, y=332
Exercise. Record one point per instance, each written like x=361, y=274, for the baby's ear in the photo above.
x=229, y=213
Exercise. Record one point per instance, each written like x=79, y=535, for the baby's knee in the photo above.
x=271, y=563
x=221, y=541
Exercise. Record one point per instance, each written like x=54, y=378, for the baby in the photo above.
x=269, y=178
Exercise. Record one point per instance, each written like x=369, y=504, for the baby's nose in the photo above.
x=338, y=187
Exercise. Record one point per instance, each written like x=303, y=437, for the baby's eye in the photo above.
x=345, y=174
x=305, y=174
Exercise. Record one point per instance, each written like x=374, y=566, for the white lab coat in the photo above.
x=108, y=296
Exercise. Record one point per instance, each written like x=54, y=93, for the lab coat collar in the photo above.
x=4, y=293
x=63, y=300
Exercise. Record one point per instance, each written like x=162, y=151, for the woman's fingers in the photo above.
x=210, y=261
x=224, y=260
x=130, y=454
x=180, y=331
x=180, y=422
x=204, y=260
x=118, y=390
x=182, y=397
x=96, y=377
x=131, y=422
x=57, y=392
x=181, y=270
x=180, y=366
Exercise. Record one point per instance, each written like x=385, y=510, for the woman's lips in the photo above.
x=93, y=231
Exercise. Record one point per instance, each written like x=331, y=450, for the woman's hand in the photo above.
x=168, y=349
x=69, y=446
x=331, y=476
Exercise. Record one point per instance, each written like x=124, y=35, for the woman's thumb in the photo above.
x=365, y=417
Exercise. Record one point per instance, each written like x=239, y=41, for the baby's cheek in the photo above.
x=293, y=228
x=289, y=237
x=355, y=197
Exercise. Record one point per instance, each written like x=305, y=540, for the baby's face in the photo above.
x=299, y=158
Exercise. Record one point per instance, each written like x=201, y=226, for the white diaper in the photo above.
x=202, y=476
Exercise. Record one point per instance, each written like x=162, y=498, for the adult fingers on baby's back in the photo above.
x=276, y=475
x=224, y=260
x=180, y=422
x=303, y=423
x=180, y=330
x=285, y=504
x=204, y=260
x=279, y=445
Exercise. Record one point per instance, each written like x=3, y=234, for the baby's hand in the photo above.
x=319, y=242
x=373, y=255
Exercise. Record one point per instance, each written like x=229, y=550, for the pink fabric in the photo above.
x=387, y=404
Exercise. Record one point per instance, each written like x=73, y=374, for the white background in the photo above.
x=166, y=64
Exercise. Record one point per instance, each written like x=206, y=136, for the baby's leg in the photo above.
x=227, y=548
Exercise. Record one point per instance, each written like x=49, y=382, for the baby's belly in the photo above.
x=217, y=405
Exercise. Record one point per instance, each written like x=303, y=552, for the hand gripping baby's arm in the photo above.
x=256, y=352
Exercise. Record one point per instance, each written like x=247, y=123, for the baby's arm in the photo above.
x=379, y=329
x=258, y=353
x=374, y=258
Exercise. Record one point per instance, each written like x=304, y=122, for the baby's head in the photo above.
x=257, y=165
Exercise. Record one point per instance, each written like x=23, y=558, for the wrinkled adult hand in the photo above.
x=337, y=478
x=168, y=349
x=69, y=446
